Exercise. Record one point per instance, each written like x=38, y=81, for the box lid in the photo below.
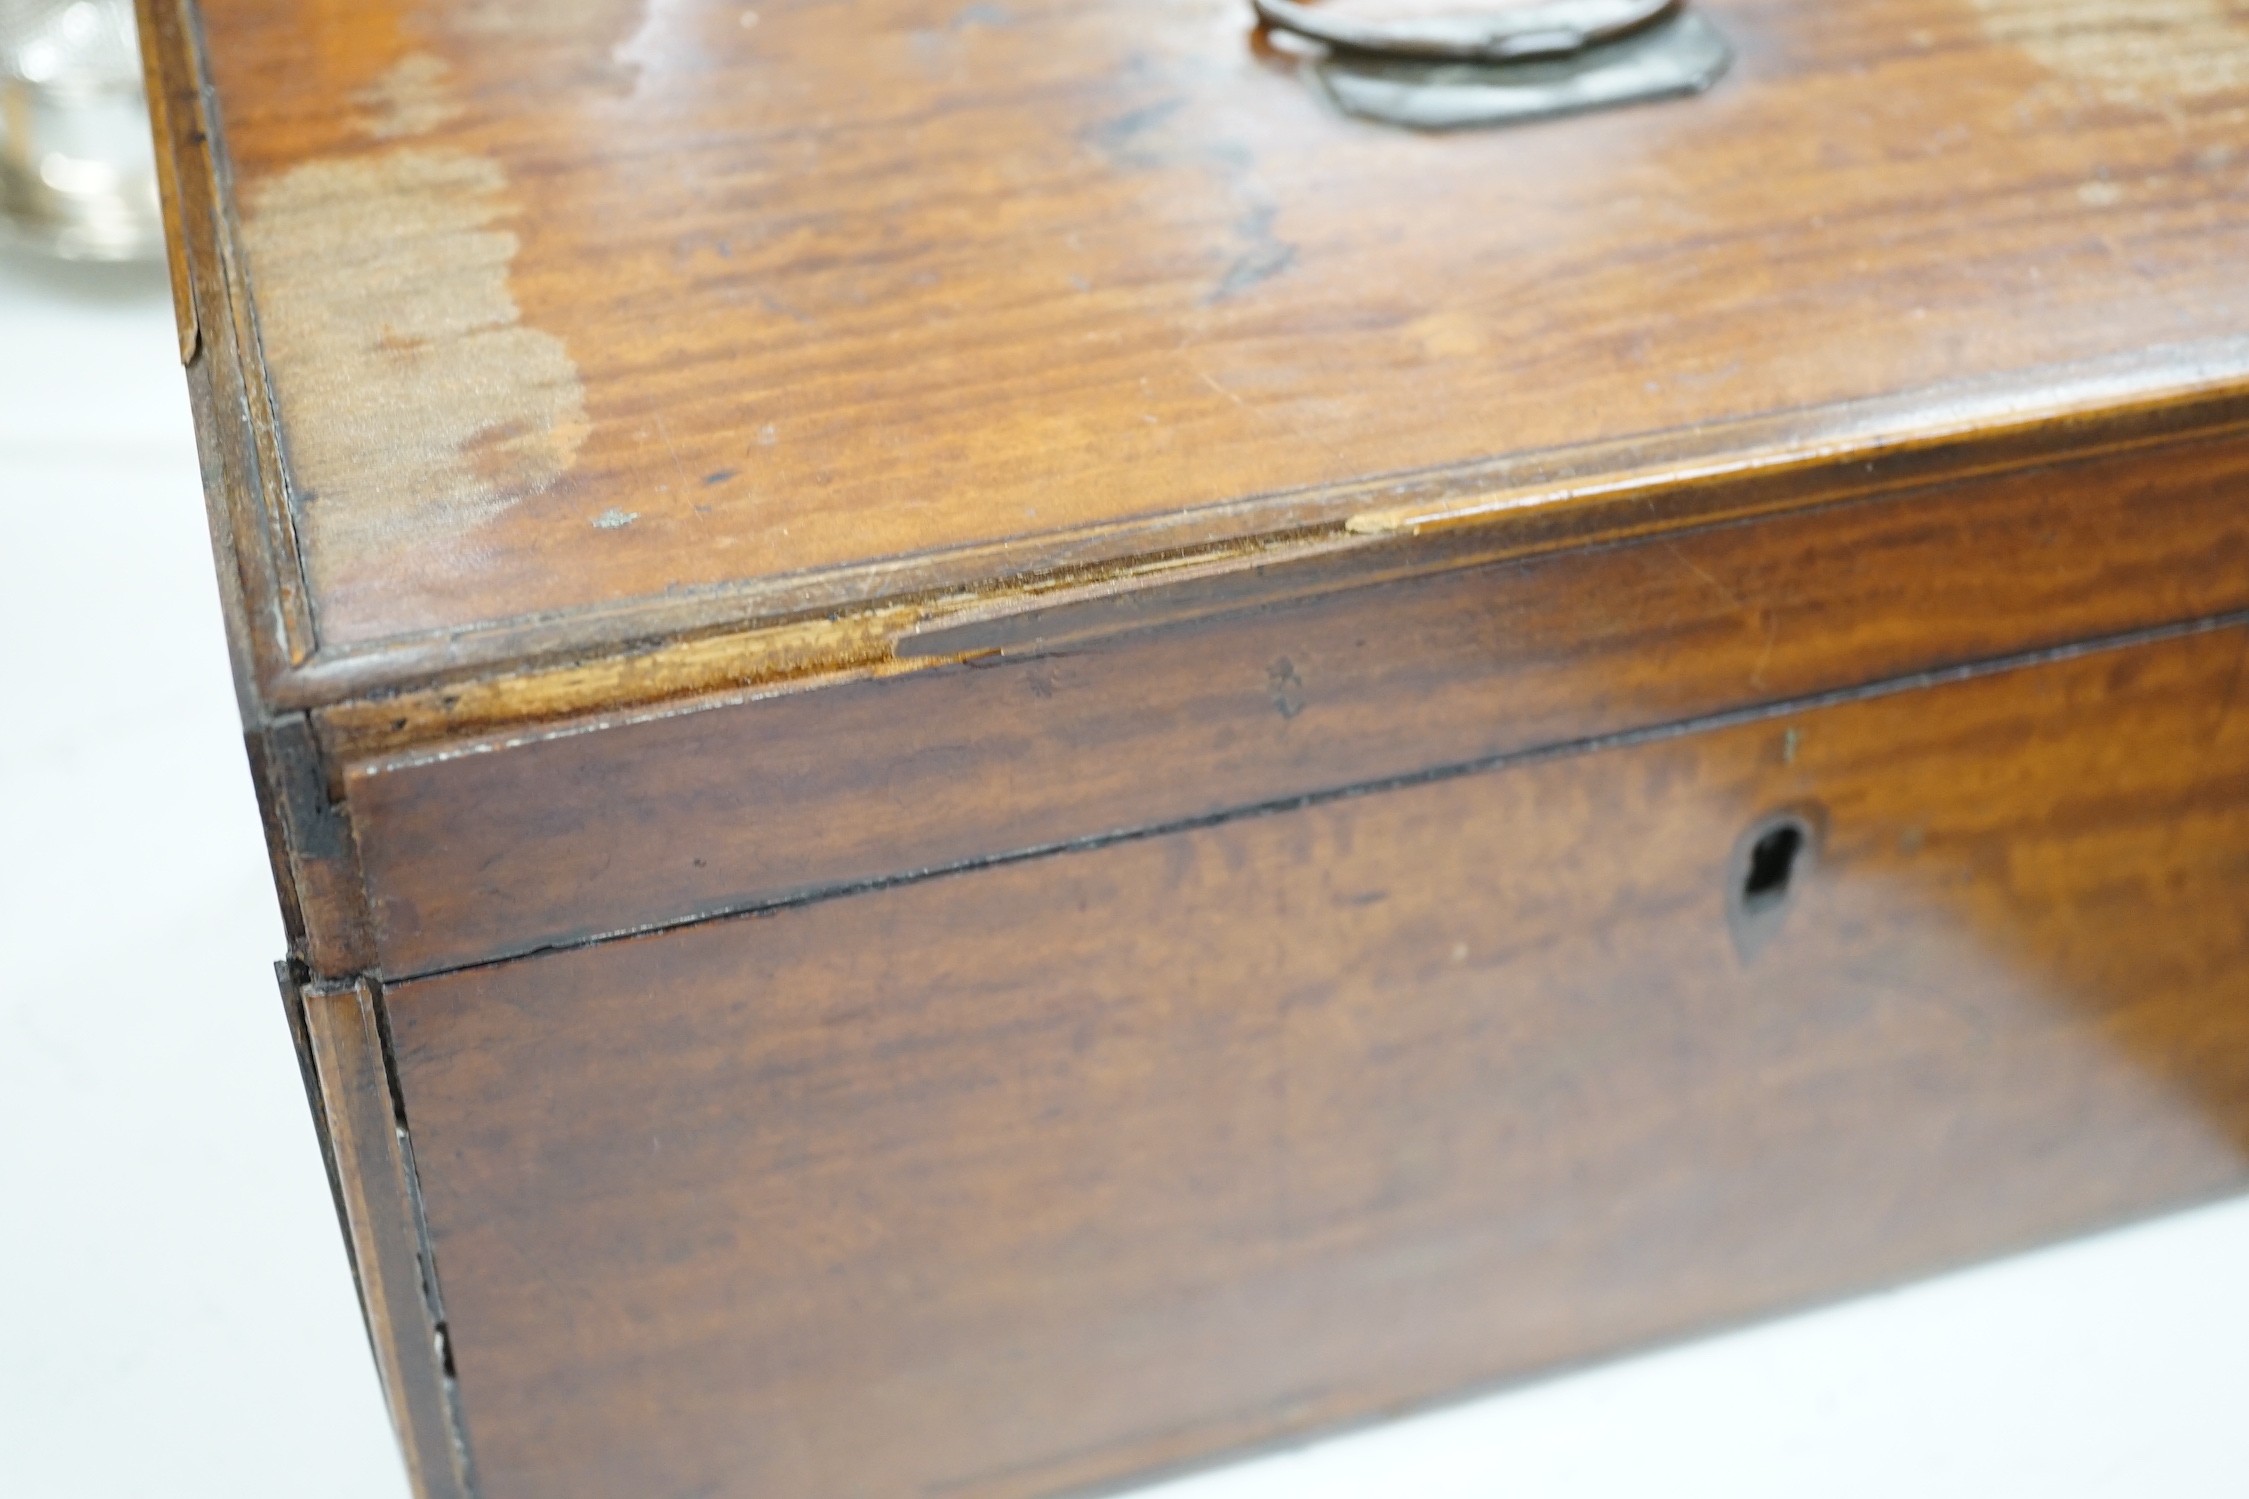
x=564, y=328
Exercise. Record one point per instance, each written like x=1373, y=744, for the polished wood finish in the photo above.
x=725, y=805
x=579, y=323
x=1048, y=763
x=339, y=1036
x=1010, y=1181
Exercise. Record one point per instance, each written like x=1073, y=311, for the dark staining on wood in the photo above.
x=319, y=826
x=1122, y=137
x=314, y=853
x=1285, y=687
x=1265, y=256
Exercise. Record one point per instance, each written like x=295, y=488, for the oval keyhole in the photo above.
x=1768, y=868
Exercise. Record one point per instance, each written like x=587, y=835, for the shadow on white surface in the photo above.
x=180, y=1321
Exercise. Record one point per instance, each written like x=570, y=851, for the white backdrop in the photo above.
x=175, y=1315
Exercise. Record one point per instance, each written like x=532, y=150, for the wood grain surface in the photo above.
x=345, y=1057
x=1010, y=1181
x=600, y=311
x=999, y=758
x=514, y=842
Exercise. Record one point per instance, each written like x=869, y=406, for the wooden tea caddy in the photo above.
x=1001, y=757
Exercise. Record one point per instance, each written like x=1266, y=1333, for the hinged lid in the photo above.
x=598, y=322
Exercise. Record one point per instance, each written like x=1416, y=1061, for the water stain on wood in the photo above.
x=601, y=21
x=418, y=405
x=605, y=45
x=2145, y=52
x=410, y=99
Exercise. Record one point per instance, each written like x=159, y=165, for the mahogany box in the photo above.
x=1011, y=744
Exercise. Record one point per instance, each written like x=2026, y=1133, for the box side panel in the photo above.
x=711, y=809
x=1041, y=1176
x=371, y=1166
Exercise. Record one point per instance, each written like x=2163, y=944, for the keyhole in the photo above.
x=1767, y=869
x=1772, y=861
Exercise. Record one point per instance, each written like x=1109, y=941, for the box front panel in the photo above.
x=1047, y=1174
x=550, y=839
